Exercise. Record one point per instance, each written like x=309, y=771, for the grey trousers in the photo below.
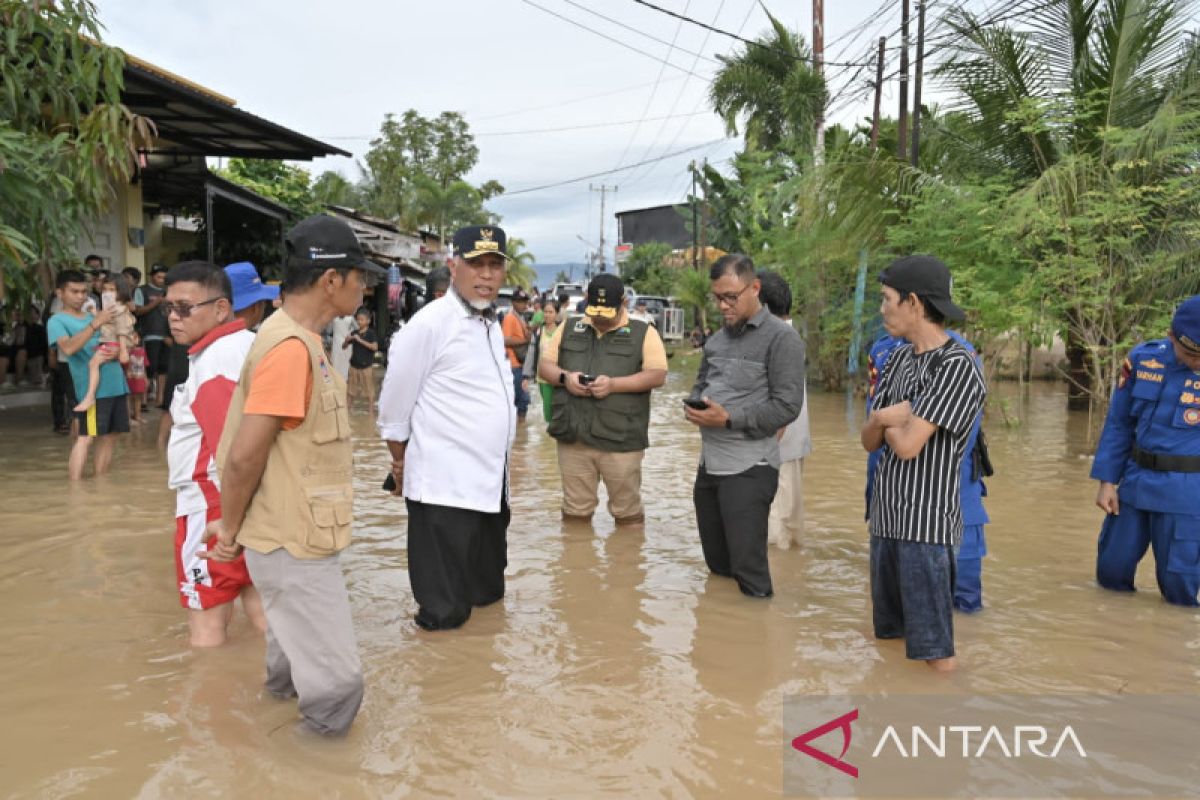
x=311, y=650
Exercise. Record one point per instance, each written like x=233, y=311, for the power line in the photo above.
x=640, y=32
x=611, y=171
x=675, y=104
x=654, y=91
x=738, y=37
x=589, y=126
x=626, y=45
x=572, y=101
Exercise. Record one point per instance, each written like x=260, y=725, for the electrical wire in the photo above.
x=738, y=37
x=654, y=92
x=610, y=171
x=675, y=104
x=640, y=32
x=589, y=126
x=602, y=35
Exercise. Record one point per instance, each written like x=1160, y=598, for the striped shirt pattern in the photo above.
x=918, y=500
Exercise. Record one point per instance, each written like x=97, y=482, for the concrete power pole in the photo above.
x=916, y=120
x=695, y=221
x=602, y=190
x=819, y=69
x=878, y=94
x=902, y=127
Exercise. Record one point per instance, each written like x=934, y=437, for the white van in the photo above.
x=574, y=293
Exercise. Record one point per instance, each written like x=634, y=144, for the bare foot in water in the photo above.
x=943, y=664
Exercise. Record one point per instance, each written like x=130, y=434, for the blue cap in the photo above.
x=1186, y=325
x=248, y=288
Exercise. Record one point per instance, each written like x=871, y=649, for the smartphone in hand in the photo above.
x=699, y=405
x=389, y=483
x=586, y=379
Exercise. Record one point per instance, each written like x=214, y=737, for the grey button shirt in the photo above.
x=757, y=373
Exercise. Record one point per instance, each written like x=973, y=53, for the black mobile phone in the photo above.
x=389, y=483
x=699, y=405
x=586, y=379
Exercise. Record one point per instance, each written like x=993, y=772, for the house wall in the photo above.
x=115, y=234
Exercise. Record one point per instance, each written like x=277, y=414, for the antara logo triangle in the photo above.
x=801, y=743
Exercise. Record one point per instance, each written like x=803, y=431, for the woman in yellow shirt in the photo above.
x=549, y=327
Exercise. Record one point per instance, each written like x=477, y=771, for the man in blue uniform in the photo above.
x=1148, y=464
x=968, y=583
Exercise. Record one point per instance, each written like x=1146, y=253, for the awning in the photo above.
x=194, y=121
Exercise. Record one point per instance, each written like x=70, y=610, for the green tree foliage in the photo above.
x=332, y=188
x=415, y=173
x=645, y=269
x=65, y=137
x=1058, y=183
x=284, y=183
x=1096, y=106
x=520, y=270
x=773, y=90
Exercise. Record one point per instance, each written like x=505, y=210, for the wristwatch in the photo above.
x=729, y=423
x=562, y=377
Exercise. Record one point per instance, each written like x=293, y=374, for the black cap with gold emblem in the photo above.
x=474, y=241
x=604, y=296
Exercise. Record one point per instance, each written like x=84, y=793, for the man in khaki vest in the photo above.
x=603, y=367
x=285, y=462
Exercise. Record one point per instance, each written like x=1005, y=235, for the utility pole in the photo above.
x=878, y=94
x=602, y=190
x=819, y=69
x=704, y=219
x=902, y=127
x=695, y=221
x=916, y=121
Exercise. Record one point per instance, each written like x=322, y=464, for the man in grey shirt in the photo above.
x=750, y=386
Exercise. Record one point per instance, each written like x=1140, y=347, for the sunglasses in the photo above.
x=184, y=310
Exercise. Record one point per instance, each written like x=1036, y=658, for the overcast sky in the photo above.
x=331, y=70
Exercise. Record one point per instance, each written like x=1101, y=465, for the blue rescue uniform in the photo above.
x=968, y=583
x=1150, y=448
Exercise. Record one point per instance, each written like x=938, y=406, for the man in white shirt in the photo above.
x=446, y=412
x=785, y=524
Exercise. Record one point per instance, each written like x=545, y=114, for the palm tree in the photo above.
x=772, y=88
x=444, y=207
x=1096, y=110
x=520, y=264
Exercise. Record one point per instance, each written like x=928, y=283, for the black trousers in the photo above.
x=456, y=561
x=731, y=512
x=62, y=395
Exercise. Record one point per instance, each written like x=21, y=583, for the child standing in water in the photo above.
x=117, y=333
x=135, y=376
x=365, y=343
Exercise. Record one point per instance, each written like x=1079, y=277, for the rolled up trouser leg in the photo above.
x=308, y=615
x=1124, y=539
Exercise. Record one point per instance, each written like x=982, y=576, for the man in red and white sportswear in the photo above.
x=200, y=310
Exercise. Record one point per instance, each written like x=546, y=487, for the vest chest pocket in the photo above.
x=333, y=421
x=332, y=512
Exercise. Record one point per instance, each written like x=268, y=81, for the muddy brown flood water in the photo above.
x=614, y=667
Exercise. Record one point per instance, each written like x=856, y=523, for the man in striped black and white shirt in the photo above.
x=926, y=401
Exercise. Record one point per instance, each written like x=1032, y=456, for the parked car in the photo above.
x=574, y=293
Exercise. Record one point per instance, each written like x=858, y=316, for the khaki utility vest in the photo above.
x=618, y=423
x=305, y=500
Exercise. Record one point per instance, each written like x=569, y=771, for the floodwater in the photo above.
x=614, y=667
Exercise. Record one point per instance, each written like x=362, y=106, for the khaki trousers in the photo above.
x=583, y=468
x=785, y=525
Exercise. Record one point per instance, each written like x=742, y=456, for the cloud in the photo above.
x=333, y=70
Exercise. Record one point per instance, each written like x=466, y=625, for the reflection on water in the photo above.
x=614, y=665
